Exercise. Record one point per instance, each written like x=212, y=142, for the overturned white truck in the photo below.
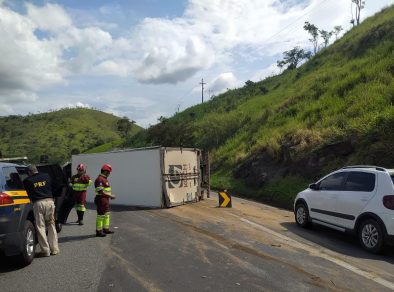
x=155, y=177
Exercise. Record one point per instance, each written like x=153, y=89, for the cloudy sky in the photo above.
x=144, y=59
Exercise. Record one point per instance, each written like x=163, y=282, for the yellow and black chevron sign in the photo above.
x=224, y=200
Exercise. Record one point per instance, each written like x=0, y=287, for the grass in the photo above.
x=106, y=147
x=58, y=134
x=344, y=93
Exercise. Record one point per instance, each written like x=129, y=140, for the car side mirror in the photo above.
x=313, y=187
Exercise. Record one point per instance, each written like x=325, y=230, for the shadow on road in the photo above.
x=9, y=264
x=344, y=243
x=75, y=238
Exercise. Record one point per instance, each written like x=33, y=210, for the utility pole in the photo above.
x=202, y=90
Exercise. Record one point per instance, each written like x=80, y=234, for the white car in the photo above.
x=354, y=198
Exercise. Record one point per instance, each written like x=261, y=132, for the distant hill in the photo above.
x=58, y=134
x=269, y=139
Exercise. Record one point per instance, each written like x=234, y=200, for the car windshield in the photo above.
x=392, y=177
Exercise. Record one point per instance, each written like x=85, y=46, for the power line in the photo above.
x=202, y=83
x=290, y=24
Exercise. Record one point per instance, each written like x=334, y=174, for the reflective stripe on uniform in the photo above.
x=80, y=207
x=79, y=187
x=107, y=217
x=99, y=222
x=107, y=190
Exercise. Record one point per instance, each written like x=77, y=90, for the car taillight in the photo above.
x=388, y=202
x=5, y=199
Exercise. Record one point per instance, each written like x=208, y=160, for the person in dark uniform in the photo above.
x=39, y=189
x=103, y=195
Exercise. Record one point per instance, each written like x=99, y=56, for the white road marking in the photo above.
x=320, y=253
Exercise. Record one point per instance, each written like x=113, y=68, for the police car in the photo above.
x=17, y=231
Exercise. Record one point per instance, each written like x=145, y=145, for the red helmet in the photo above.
x=106, y=167
x=81, y=167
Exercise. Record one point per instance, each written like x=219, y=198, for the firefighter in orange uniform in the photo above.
x=103, y=195
x=80, y=183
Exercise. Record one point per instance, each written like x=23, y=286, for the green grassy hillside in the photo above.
x=269, y=139
x=58, y=134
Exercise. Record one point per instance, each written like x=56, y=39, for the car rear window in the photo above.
x=13, y=181
x=358, y=181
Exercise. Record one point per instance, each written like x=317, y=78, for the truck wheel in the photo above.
x=29, y=244
x=370, y=234
x=301, y=215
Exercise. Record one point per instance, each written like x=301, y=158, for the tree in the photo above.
x=263, y=89
x=326, y=35
x=293, y=57
x=314, y=32
x=337, y=30
x=124, y=126
x=75, y=151
x=249, y=83
x=360, y=4
x=162, y=119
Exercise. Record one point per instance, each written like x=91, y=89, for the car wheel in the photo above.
x=29, y=244
x=370, y=235
x=302, y=215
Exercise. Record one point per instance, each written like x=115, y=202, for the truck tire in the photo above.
x=29, y=244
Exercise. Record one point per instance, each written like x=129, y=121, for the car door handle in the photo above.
x=364, y=199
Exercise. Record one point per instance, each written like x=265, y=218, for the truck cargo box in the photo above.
x=154, y=177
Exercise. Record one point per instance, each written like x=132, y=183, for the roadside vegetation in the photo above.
x=269, y=139
x=59, y=134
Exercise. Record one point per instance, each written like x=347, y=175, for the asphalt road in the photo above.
x=199, y=247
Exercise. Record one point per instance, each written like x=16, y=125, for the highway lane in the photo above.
x=199, y=247
x=77, y=267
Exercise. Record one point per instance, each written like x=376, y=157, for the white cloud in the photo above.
x=77, y=104
x=6, y=110
x=271, y=70
x=112, y=67
x=175, y=49
x=27, y=63
x=80, y=104
x=223, y=82
x=88, y=46
x=51, y=17
x=171, y=52
x=211, y=36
